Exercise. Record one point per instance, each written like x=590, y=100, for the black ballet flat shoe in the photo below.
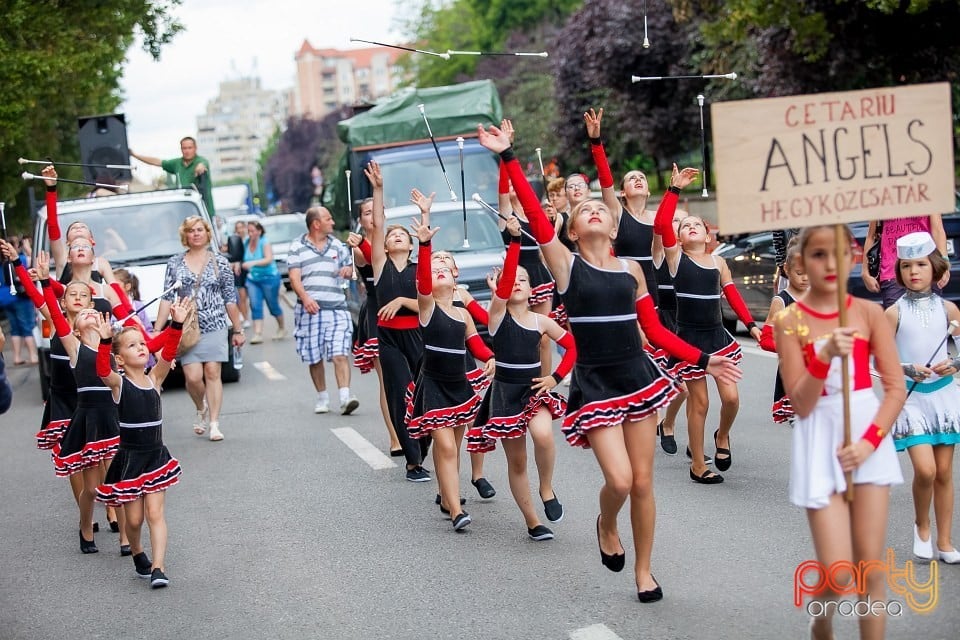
x=612, y=561
x=652, y=595
x=114, y=526
x=396, y=453
x=707, y=460
x=125, y=550
x=707, y=477
x=667, y=442
x=87, y=546
x=725, y=462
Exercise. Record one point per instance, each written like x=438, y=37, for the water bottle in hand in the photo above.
x=237, y=358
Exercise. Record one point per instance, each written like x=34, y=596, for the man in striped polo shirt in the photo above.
x=318, y=263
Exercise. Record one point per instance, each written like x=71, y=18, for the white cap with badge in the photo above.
x=915, y=245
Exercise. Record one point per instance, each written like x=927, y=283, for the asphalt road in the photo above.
x=283, y=531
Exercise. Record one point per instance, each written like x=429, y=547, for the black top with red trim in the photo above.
x=444, y=349
x=365, y=273
x=62, y=382
x=140, y=414
x=395, y=284
x=698, y=294
x=517, y=349
x=666, y=296
x=634, y=241
x=603, y=318
x=91, y=391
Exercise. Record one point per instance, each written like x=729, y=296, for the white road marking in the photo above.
x=363, y=448
x=268, y=371
x=594, y=632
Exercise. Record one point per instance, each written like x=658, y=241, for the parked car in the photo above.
x=136, y=231
x=751, y=260
x=280, y=231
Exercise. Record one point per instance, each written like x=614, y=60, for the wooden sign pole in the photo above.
x=842, y=248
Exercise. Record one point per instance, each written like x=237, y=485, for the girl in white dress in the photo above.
x=810, y=343
x=929, y=425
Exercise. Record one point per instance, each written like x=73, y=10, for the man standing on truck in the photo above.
x=318, y=262
x=189, y=169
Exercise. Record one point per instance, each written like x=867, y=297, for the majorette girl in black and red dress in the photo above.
x=521, y=401
x=398, y=329
x=444, y=402
x=143, y=469
x=615, y=389
x=366, y=345
x=699, y=280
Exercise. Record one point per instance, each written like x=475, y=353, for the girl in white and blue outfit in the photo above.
x=928, y=427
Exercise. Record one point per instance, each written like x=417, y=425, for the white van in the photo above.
x=136, y=231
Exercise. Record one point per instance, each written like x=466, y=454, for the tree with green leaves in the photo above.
x=597, y=52
x=58, y=65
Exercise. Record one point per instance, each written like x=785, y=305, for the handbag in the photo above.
x=873, y=255
x=191, y=328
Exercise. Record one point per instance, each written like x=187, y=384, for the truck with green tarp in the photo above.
x=394, y=134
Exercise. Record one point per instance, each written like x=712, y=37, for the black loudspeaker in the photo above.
x=103, y=140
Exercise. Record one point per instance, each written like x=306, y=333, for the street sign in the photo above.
x=829, y=158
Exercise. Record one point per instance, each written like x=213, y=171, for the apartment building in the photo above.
x=237, y=125
x=329, y=78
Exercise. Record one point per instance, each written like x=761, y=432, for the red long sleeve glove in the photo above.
x=604, y=175
x=35, y=296
x=103, y=357
x=424, y=271
x=121, y=311
x=509, y=275
x=767, y=342
x=478, y=348
x=53, y=305
x=663, y=337
x=478, y=313
x=541, y=227
x=366, y=251
x=503, y=186
x=663, y=222
x=58, y=288
x=173, y=332
x=569, y=356
x=158, y=341
x=53, y=222
x=738, y=305
x=122, y=295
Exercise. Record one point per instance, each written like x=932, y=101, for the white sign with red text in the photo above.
x=830, y=158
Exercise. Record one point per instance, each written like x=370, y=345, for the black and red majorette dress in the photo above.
x=62, y=401
x=782, y=410
x=541, y=282
x=634, y=241
x=699, y=319
x=365, y=343
x=442, y=397
x=475, y=375
x=142, y=465
x=614, y=379
x=94, y=432
x=511, y=402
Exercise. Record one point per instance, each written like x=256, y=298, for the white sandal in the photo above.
x=215, y=435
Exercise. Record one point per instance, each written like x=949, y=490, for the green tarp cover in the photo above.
x=452, y=111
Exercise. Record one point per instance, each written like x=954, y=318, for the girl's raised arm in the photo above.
x=378, y=251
